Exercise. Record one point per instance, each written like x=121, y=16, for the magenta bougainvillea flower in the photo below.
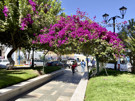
x=76, y=28
x=26, y=21
x=33, y=4
x=5, y=11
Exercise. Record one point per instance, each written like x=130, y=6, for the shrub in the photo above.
x=49, y=69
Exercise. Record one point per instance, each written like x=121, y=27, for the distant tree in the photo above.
x=127, y=35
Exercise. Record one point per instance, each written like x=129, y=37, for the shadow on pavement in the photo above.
x=68, y=77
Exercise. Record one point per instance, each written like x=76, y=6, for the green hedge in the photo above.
x=49, y=69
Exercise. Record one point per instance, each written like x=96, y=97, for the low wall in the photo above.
x=17, y=89
x=79, y=93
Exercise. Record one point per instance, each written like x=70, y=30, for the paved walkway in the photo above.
x=59, y=89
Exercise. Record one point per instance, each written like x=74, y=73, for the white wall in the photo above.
x=37, y=54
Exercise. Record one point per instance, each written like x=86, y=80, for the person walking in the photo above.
x=83, y=64
x=93, y=63
x=74, y=65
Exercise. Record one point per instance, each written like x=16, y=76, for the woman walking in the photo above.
x=83, y=64
x=74, y=65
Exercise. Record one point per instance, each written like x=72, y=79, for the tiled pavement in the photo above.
x=59, y=89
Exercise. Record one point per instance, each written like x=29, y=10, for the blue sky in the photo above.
x=99, y=7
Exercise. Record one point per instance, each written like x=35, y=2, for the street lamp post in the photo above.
x=106, y=16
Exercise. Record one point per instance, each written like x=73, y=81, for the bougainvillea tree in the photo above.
x=19, y=19
x=80, y=34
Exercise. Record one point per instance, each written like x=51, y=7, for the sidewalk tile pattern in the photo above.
x=59, y=89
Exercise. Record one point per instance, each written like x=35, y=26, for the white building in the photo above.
x=5, y=50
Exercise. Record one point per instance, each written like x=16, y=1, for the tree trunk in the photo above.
x=44, y=58
x=28, y=58
x=32, y=65
x=97, y=60
x=115, y=65
x=87, y=63
x=25, y=55
x=130, y=59
x=133, y=69
x=9, y=57
x=133, y=65
x=59, y=57
x=88, y=67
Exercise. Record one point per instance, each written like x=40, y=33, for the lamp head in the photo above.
x=105, y=17
x=123, y=11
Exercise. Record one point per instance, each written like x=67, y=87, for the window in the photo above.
x=41, y=61
x=5, y=60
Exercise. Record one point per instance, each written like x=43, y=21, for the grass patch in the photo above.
x=118, y=86
x=49, y=69
x=10, y=77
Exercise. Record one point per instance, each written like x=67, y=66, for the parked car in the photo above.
x=122, y=65
x=36, y=63
x=57, y=63
x=70, y=62
x=4, y=63
x=54, y=63
x=66, y=65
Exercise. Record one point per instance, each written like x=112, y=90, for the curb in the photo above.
x=79, y=93
x=17, y=89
